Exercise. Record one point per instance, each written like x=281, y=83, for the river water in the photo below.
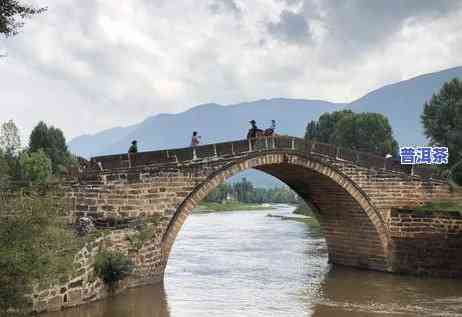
x=247, y=264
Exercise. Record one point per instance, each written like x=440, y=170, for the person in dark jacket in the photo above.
x=254, y=130
x=131, y=152
x=134, y=147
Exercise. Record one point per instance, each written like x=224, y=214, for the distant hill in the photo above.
x=401, y=102
x=215, y=123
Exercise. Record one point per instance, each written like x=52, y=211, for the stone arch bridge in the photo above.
x=355, y=195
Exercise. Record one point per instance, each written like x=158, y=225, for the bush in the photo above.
x=112, y=266
x=33, y=243
x=36, y=166
x=139, y=238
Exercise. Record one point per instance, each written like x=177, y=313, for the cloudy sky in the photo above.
x=87, y=65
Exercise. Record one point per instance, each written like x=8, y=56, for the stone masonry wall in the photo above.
x=426, y=243
x=388, y=189
x=152, y=193
x=86, y=287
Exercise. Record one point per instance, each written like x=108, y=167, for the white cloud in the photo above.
x=88, y=65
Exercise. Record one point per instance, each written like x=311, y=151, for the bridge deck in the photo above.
x=243, y=147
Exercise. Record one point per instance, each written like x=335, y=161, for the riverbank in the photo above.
x=231, y=206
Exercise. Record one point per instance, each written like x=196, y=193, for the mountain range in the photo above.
x=401, y=102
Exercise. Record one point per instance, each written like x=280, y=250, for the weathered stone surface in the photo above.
x=426, y=243
x=55, y=303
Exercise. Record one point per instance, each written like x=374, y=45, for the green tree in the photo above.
x=324, y=129
x=311, y=132
x=442, y=121
x=244, y=190
x=53, y=143
x=369, y=132
x=12, y=15
x=36, y=166
x=219, y=193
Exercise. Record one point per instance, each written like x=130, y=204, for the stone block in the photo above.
x=55, y=303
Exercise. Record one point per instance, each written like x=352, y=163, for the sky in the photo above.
x=89, y=65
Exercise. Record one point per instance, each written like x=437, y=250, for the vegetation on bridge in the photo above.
x=112, y=267
x=441, y=206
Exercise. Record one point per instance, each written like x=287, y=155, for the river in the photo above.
x=244, y=263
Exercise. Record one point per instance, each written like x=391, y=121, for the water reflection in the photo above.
x=246, y=264
x=350, y=292
x=148, y=301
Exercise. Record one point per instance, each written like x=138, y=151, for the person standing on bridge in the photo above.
x=195, y=140
x=132, y=152
x=254, y=130
x=271, y=129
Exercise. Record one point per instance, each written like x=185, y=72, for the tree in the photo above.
x=10, y=145
x=36, y=166
x=244, y=190
x=311, y=132
x=53, y=143
x=10, y=141
x=12, y=14
x=219, y=194
x=369, y=132
x=442, y=121
x=324, y=129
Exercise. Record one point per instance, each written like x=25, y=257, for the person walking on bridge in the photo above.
x=195, y=139
x=132, y=152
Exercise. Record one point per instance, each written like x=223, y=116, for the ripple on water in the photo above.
x=247, y=264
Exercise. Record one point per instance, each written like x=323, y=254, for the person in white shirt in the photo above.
x=195, y=140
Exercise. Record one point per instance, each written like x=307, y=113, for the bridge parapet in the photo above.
x=242, y=147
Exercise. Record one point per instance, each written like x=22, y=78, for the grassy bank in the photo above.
x=230, y=206
x=442, y=206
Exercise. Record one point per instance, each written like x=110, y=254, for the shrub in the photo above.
x=33, y=243
x=36, y=166
x=138, y=239
x=112, y=266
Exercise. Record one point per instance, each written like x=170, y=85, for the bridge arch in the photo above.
x=354, y=229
